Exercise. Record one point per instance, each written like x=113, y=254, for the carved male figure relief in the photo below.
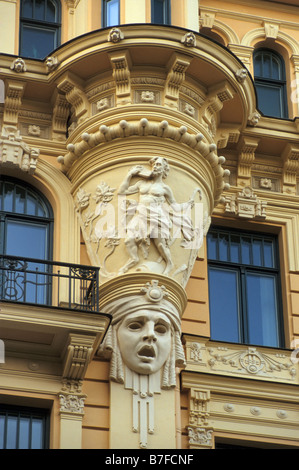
x=152, y=218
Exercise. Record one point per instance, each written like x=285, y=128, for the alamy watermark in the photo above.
x=2, y=352
x=138, y=221
x=2, y=91
x=295, y=352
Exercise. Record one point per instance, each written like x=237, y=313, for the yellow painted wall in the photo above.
x=95, y=426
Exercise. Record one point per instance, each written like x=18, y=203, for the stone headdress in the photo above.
x=150, y=297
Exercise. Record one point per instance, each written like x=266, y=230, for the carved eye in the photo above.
x=135, y=325
x=161, y=328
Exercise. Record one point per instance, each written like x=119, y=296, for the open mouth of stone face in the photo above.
x=147, y=352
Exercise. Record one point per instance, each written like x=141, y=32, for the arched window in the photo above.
x=39, y=27
x=270, y=82
x=25, y=232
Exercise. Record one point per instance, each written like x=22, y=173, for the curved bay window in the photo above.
x=25, y=232
x=270, y=82
x=244, y=288
x=39, y=27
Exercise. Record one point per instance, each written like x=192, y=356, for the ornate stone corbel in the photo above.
x=246, y=205
x=15, y=153
x=177, y=67
x=13, y=102
x=61, y=112
x=121, y=64
x=243, y=52
x=217, y=95
x=247, y=148
x=70, y=85
x=77, y=356
x=290, y=158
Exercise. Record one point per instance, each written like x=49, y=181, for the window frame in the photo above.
x=10, y=216
x=166, y=12
x=42, y=24
x=29, y=412
x=243, y=269
x=105, y=4
x=279, y=84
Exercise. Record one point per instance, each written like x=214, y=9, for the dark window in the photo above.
x=161, y=11
x=23, y=428
x=39, y=27
x=111, y=13
x=25, y=232
x=244, y=288
x=270, y=82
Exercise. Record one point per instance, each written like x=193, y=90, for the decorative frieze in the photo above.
x=71, y=403
x=147, y=97
x=200, y=438
x=237, y=360
x=266, y=183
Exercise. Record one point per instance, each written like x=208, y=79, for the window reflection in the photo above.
x=39, y=27
x=111, y=12
x=22, y=428
x=244, y=293
x=270, y=83
x=25, y=232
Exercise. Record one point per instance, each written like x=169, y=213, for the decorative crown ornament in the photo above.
x=153, y=291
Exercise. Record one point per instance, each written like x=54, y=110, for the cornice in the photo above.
x=243, y=16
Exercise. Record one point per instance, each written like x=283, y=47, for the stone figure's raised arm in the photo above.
x=125, y=187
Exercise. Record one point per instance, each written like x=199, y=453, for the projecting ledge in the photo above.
x=45, y=332
x=239, y=360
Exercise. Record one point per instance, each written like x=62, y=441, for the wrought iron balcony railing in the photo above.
x=49, y=284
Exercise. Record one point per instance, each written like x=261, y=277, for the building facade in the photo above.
x=149, y=220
